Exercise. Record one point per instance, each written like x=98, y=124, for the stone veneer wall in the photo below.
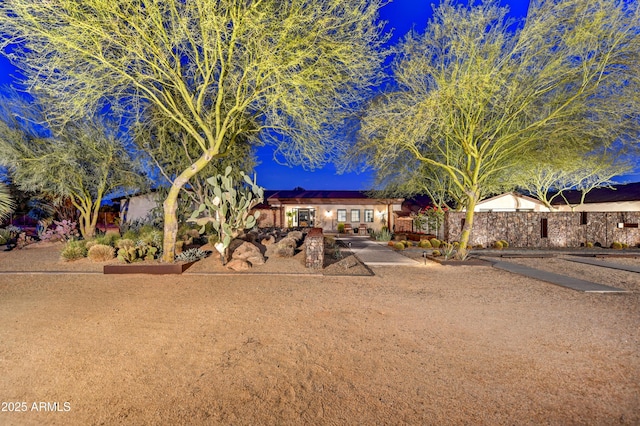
x=523, y=229
x=314, y=248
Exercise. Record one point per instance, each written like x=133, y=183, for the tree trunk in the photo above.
x=472, y=200
x=170, y=206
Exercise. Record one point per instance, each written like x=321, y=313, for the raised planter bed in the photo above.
x=419, y=237
x=468, y=262
x=148, y=268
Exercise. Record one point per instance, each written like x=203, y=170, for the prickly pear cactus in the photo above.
x=229, y=211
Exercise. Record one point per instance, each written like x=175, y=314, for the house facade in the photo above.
x=327, y=209
x=616, y=198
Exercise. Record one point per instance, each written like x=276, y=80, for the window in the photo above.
x=544, y=228
x=342, y=215
x=368, y=215
x=355, y=215
x=583, y=218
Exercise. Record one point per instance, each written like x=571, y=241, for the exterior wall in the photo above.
x=622, y=206
x=139, y=207
x=523, y=229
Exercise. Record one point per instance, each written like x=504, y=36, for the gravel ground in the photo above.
x=431, y=344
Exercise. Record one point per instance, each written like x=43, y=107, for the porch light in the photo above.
x=328, y=213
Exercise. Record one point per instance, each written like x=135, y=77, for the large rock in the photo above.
x=268, y=240
x=249, y=253
x=238, y=265
x=296, y=235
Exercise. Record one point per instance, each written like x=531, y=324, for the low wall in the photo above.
x=563, y=229
x=314, y=248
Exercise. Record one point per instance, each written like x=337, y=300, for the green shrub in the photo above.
x=435, y=243
x=425, y=244
x=616, y=245
x=101, y=253
x=5, y=236
x=498, y=245
x=130, y=235
x=407, y=243
x=341, y=228
x=383, y=235
x=589, y=244
x=436, y=253
x=137, y=254
x=399, y=245
x=478, y=246
x=74, y=250
x=505, y=244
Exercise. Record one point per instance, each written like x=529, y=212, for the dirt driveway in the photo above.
x=424, y=345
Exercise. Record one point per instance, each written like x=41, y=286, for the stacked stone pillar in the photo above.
x=314, y=249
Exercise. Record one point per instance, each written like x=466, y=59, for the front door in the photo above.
x=305, y=219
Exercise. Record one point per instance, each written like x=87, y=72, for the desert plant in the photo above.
x=616, y=245
x=383, y=235
x=505, y=244
x=497, y=245
x=229, y=211
x=5, y=236
x=399, y=246
x=435, y=243
x=125, y=243
x=425, y=244
x=101, y=252
x=436, y=253
x=341, y=228
x=137, y=253
x=191, y=255
x=589, y=244
x=73, y=250
x=448, y=250
x=390, y=243
x=64, y=230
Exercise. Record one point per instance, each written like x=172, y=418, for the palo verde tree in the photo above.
x=477, y=94
x=83, y=163
x=226, y=71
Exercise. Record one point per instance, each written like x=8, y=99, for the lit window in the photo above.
x=355, y=215
x=342, y=215
x=368, y=215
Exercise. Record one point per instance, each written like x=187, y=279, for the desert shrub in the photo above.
x=390, y=243
x=589, y=244
x=616, y=245
x=435, y=243
x=505, y=244
x=5, y=236
x=498, y=245
x=478, y=246
x=425, y=244
x=625, y=245
x=64, y=230
x=296, y=235
x=108, y=239
x=90, y=243
x=448, y=250
x=383, y=235
x=436, y=253
x=191, y=255
x=288, y=242
x=130, y=235
x=125, y=243
x=101, y=252
x=399, y=245
x=341, y=228
x=407, y=243
x=73, y=250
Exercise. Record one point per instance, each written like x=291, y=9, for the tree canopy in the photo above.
x=478, y=96
x=285, y=72
x=83, y=163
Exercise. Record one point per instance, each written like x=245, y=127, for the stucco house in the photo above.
x=510, y=202
x=300, y=208
x=327, y=208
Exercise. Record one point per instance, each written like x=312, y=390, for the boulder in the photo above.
x=268, y=240
x=296, y=235
x=249, y=253
x=238, y=265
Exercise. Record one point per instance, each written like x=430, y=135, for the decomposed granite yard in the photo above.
x=429, y=344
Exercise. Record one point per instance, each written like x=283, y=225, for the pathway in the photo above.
x=374, y=253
